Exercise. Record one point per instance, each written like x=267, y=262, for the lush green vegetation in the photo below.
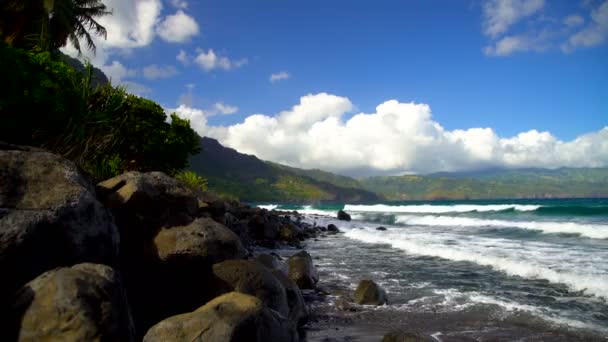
x=192, y=180
x=50, y=104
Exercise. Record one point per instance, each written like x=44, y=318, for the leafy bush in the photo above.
x=192, y=180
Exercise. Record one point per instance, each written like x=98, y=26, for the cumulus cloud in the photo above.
x=153, y=72
x=397, y=138
x=179, y=4
x=574, y=20
x=183, y=57
x=280, y=76
x=177, y=28
x=209, y=60
x=500, y=15
x=594, y=33
x=222, y=108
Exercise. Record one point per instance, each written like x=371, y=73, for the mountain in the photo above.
x=250, y=179
x=492, y=184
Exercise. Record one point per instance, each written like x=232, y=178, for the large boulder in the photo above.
x=204, y=241
x=302, y=271
x=233, y=317
x=49, y=217
x=298, y=313
x=251, y=277
x=401, y=336
x=144, y=202
x=343, y=216
x=85, y=302
x=370, y=293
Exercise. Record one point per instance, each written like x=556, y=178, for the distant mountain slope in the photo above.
x=251, y=179
x=522, y=183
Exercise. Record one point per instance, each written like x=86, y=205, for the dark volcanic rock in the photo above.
x=85, y=302
x=50, y=217
x=381, y=228
x=233, y=317
x=253, y=278
x=343, y=216
x=302, y=271
x=298, y=313
x=332, y=228
x=272, y=262
x=399, y=336
x=370, y=293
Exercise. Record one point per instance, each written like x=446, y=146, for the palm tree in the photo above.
x=74, y=20
x=49, y=24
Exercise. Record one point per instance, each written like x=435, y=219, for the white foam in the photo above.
x=268, y=206
x=594, y=231
x=439, y=209
x=308, y=210
x=571, y=267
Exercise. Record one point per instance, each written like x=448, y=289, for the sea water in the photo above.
x=545, y=260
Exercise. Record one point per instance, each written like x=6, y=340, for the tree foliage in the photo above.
x=192, y=180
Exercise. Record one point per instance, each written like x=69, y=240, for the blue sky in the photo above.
x=512, y=66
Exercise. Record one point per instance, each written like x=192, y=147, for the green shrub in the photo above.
x=192, y=180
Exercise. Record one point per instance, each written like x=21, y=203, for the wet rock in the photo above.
x=272, y=262
x=233, y=317
x=344, y=304
x=50, y=217
x=399, y=336
x=85, y=302
x=370, y=293
x=381, y=228
x=302, y=271
x=332, y=228
x=253, y=278
x=343, y=216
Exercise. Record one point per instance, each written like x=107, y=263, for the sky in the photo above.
x=374, y=87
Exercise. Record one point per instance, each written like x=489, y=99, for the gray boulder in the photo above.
x=251, y=277
x=370, y=293
x=302, y=271
x=400, y=336
x=85, y=302
x=203, y=240
x=298, y=313
x=233, y=317
x=49, y=217
x=272, y=262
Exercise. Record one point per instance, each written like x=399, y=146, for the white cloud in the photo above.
x=210, y=60
x=509, y=45
x=593, y=34
x=116, y=72
x=197, y=117
x=183, y=57
x=179, y=4
x=283, y=75
x=574, y=20
x=396, y=138
x=222, y=108
x=178, y=28
x=500, y=15
x=154, y=71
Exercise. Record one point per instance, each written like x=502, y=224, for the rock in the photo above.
x=298, y=313
x=333, y=228
x=204, y=241
x=370, y=293
x=272, y=262
x=253, y=278
x=399, y=336
x=344, y=304
x=85, y=302
x=343, y=216
x=381, y=228
x=49, y=217
x=144, y=202
x=289, y=233
x=302, y=271
x=233, y=317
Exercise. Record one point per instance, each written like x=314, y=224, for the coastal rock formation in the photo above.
x=399, y=336
x=298, y=313
x=252, y=278
x=233, y=317
x=302, y=271
x=203, y=240
x=381, y=228
x=49, y=217
x=272, y=262
x=343, y=216
x=332, y=228
x=370, y=293
x=85, y=302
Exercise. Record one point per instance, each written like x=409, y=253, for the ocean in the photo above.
x=540, y=266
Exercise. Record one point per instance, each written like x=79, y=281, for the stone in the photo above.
x=332, y=228
x=298, y=313
x=253, y=278
x=343, y=216
x=381, y=228
x=233, y=317
x=399, y=336
x=370, y=293
x=272, y=262
x=302, y=271
x=85, y=302
x=49, y=217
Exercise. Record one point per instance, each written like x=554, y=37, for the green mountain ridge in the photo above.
x=250, y=179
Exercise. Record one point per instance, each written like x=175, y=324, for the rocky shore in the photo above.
x=142, y=256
